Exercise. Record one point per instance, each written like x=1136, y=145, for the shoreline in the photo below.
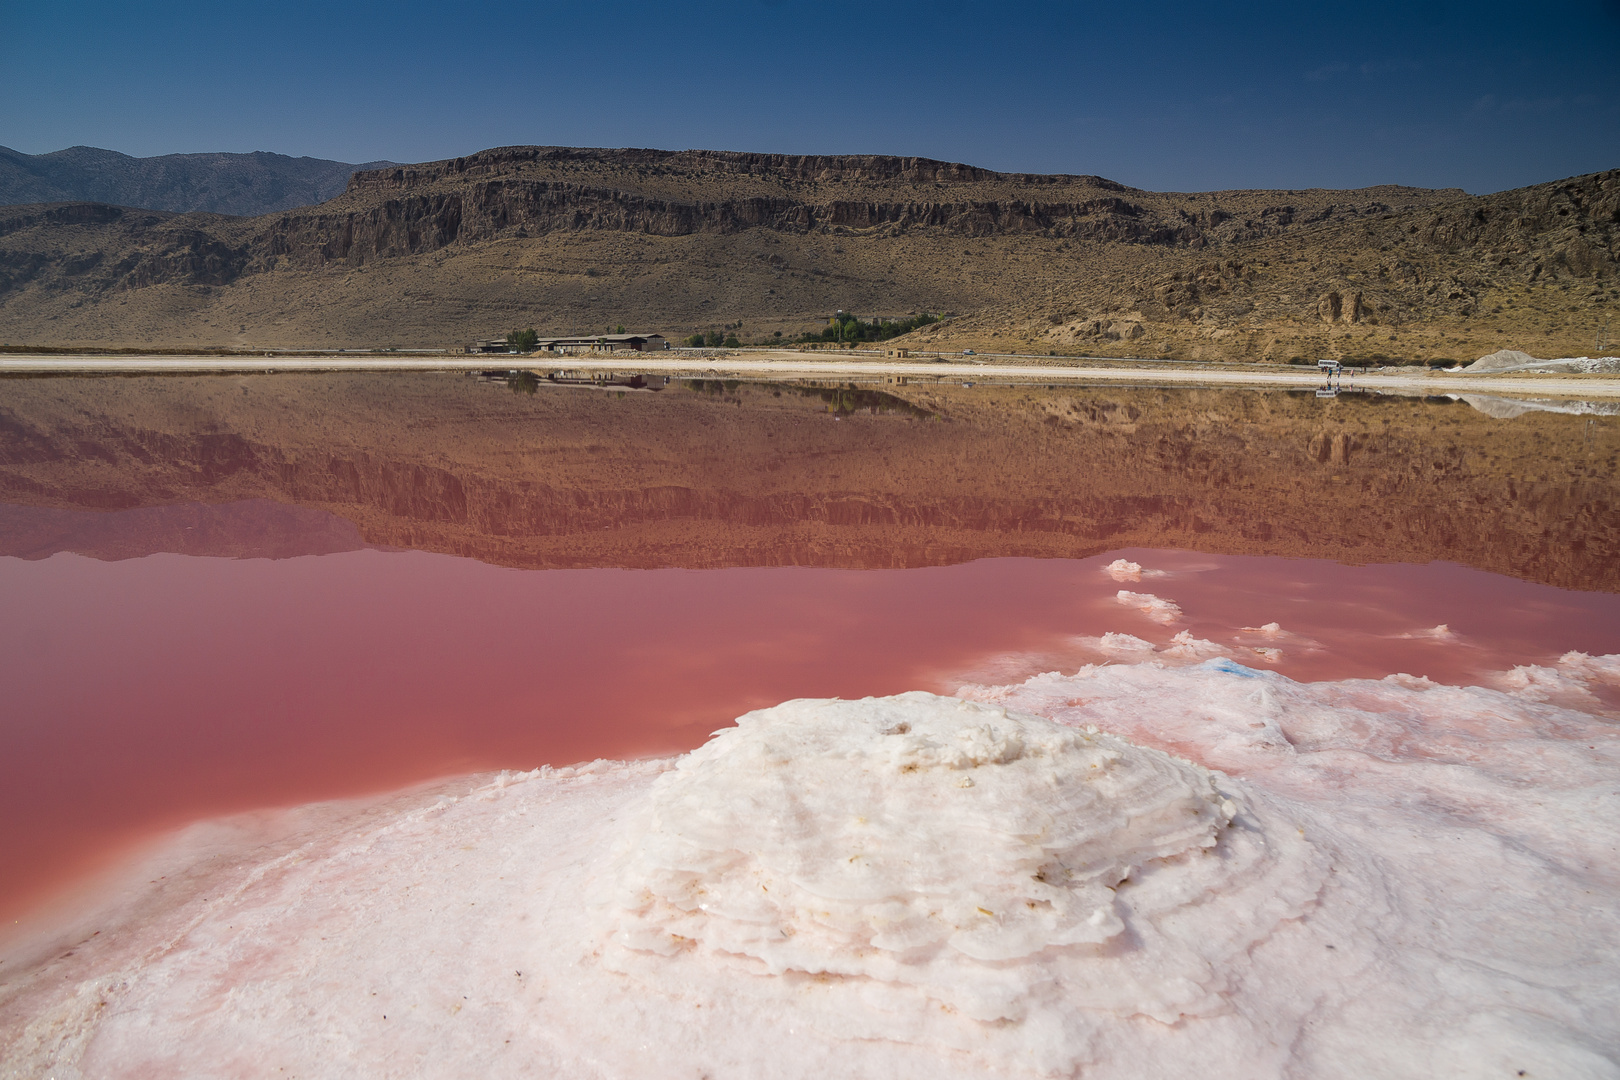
x=278, y=932
x=796, y=365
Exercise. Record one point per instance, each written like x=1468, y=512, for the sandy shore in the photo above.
x=799, y=365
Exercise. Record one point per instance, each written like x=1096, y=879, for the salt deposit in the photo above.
x=1164, y=868
x=1514, y=360
x=1155, y=608
x=1433, y=633
x=943, y=860
x=1126, y=570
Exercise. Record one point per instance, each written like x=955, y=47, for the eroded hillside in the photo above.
x=578, y=240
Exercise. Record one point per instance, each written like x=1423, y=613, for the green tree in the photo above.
x=713, y=339
x=523, y=340
x=731, y=342
x=694, y=342
x=620, y=330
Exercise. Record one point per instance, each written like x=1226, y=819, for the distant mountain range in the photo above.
x=576, y=240
x=244, y=185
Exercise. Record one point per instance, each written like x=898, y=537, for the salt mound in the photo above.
x=1156, y=608
x=1126, y=570
x=1418, y=880
x=1514, y=360
x=925, y=856
x=1502, y=360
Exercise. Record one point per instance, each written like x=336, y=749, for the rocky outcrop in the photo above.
x=1340, y=307
x=532, y=192
x=582, y=238
x=818, y=168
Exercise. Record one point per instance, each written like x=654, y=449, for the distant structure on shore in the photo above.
x=586, y=344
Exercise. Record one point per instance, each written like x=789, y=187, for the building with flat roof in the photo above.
x=581, y=344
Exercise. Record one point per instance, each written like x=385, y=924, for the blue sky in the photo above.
x=1163, y=95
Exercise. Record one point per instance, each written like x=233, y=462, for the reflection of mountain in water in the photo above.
x=248, y=529
x=731, y=473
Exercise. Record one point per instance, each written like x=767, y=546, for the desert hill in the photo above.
x=572, y=241
x=1535, y=267
x=243, y=184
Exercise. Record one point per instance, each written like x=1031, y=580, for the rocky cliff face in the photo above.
x=1454, y=281
x=733, y=474
x=572, y=240
x=530, y=192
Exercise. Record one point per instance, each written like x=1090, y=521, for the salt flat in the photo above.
x=797, y=365
x=1047, y=878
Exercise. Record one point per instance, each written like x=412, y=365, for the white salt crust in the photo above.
x=1156, y=608
x=1125, y=570
x=1385, y=878
x=943, y=859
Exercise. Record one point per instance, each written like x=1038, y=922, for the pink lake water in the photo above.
x=281, y=659
x=147, y=693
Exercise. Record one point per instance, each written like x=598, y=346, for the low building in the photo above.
x=606, y=343
x=585, y=343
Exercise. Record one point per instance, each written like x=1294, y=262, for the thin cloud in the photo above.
x=1323, y=74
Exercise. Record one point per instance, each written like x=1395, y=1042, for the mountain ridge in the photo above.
x=242, y=185
x=573, y=239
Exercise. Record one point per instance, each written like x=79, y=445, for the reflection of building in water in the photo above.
x=618, y=380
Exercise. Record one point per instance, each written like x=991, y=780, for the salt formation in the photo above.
x=1412, y=880
x=1126, y=570
x=1514, y=360
x=924, y=852
x=1155, y=608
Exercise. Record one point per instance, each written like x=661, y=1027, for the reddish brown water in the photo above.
x=143, y=694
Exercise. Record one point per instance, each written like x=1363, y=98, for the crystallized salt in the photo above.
x=1124, y=570
x=937, y=849
x=972, y=877
x=1155, y=608
x=1386, y=878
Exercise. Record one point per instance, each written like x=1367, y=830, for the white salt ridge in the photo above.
x=1182, y=649
x=943, y=860
x=1155, y=608
x=1418, y=880
x=1266, y=641
x=1433, y=633
x=1469, y=926
x=1126, y=570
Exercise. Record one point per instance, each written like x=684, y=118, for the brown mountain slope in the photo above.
x=577, y=240
x=736, y=474
x=1532, y=269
